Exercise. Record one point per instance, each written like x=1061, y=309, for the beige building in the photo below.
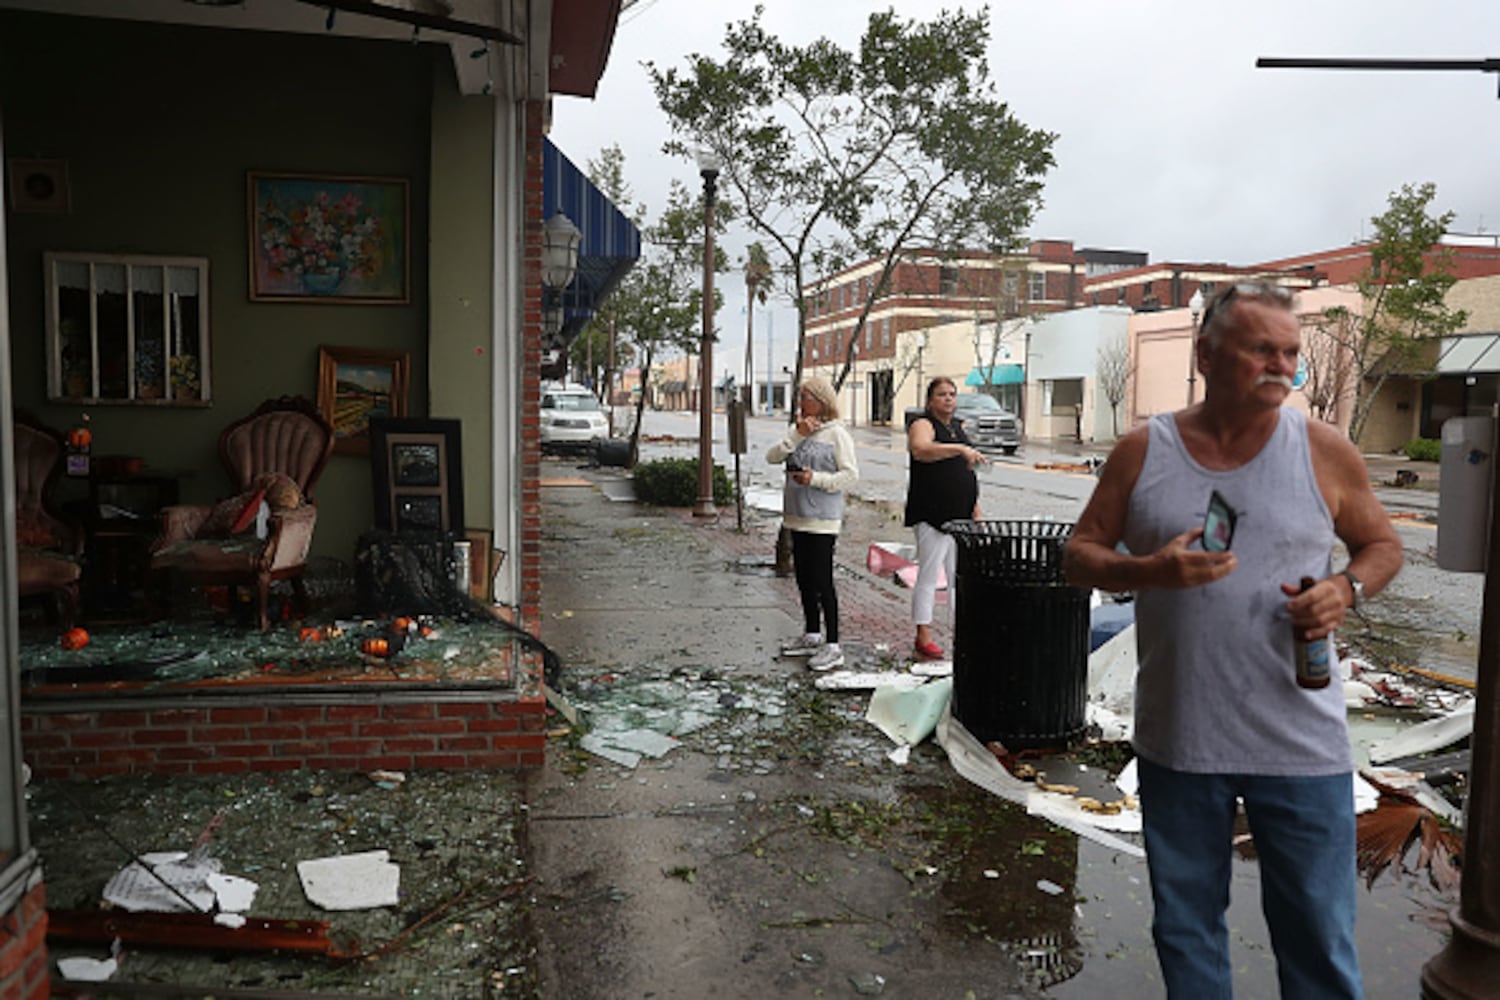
x=1164, y=377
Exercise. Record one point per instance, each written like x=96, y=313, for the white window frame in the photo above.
x=62, y=270
x=1037, y=286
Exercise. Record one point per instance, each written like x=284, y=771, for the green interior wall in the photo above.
x=158, y=125
x=461, y=362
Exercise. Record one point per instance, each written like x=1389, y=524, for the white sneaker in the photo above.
x=804, y=645
x=827, y=658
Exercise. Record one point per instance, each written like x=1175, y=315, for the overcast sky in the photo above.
x=1170, y=141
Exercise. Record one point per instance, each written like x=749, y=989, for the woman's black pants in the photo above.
x=812, y=556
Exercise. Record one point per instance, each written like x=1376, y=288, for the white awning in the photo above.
x=1478, y=352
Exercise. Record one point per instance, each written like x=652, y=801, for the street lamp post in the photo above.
x=1195, y=307
x=560, y=240
x=708, y=167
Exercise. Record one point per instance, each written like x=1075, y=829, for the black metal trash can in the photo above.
x=1021, y=635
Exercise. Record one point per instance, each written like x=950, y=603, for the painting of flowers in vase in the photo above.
x=328, y=239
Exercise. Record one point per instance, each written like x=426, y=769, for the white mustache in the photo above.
x=1281, y=380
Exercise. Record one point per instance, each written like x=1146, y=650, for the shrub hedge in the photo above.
x=673, y=482
x=1423, y=449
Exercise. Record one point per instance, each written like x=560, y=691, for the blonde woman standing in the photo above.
x=820, y=467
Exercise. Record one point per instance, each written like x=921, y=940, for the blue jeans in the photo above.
x=1304, y=837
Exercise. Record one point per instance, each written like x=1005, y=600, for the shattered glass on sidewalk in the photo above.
x=458, y=930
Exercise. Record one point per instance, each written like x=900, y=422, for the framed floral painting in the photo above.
x=329, y=239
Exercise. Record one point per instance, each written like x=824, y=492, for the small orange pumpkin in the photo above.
x=75, y=638
x=311, y=635
x=79, y=438
x=377, y=646
x=402, y=624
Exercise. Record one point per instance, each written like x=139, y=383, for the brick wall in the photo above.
x=230, y=735
x=24, y=974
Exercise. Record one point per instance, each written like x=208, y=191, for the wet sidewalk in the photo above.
x=774, y=850
x=758, y=843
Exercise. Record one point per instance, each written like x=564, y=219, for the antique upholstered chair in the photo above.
x=274, y=458
x=48, y=548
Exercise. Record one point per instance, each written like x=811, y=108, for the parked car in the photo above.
x=987, y=423
x=571, y=418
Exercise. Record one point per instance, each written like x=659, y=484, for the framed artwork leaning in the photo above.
x=416, y=471
x=357, y=385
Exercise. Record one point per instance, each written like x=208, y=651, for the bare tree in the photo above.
x=1114, y=372
x=1325, y=357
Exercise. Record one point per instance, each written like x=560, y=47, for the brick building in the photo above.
x=960, y=316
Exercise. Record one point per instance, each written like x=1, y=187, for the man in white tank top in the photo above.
x=1220, y=716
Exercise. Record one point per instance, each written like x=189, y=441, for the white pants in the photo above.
x=935, y=550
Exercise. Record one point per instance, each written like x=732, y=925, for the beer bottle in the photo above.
x=1314, y=656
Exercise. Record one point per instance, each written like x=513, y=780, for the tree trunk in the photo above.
x=640, y=406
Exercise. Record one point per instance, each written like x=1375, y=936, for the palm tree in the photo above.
x=757, y=284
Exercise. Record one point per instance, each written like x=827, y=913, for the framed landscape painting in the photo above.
x=329, y=239
x=356, y=385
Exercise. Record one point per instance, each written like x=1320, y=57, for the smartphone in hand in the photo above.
x=1218, y=524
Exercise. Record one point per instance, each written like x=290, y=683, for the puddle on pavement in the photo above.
x=458, y=930
x=1070, y=917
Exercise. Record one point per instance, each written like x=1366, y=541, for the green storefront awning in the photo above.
x=998, y=375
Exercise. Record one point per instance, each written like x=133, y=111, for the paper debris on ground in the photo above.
x=233, y=893
x=1415, y=786
x=866, y=680
x=618, y=490
x=763, y=499
x=909, y=715
x=1424, y=737
x=88, y=970
x=362, y=881
x=932, y=668
x=137, y=889
x=975, y=763
x=1111, y=674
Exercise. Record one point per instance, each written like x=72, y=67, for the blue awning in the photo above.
x=998, y=375
x=611, y=242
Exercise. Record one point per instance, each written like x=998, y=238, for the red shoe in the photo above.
x=930, y=649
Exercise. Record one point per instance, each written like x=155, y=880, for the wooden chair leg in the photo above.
x=263, y=599
x=299, y=596
x=67, y=603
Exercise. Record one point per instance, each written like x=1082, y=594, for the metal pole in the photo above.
x=1468, y=967
x=749, y=356
x=705, y=507
x=1192, y=357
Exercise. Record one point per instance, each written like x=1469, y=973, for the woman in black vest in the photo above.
x=942, y=488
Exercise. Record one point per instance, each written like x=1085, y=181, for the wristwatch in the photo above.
x=1357, y=586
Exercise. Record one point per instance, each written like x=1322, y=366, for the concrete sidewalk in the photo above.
x=775, y=851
